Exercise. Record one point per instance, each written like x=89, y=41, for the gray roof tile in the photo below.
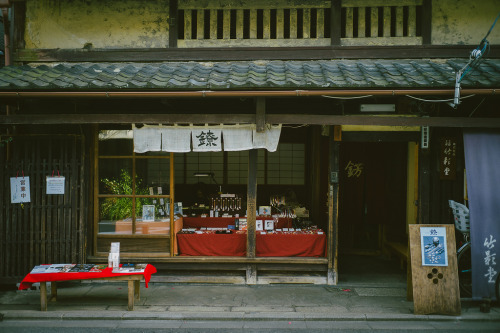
x=335, y=74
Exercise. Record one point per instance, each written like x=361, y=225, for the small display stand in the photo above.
x=434, y=269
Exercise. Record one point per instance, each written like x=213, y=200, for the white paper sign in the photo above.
x=55, y=185
x=433, y=245
x=20, y=189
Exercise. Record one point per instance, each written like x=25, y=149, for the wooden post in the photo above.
x=260, y=117
x=427, y=22
x=137, y=289
x=251, y=211
x=424, y=180
x=53, y=291
x=172, y=26
x=131, y=295
x=43, y=296
x=333, y=192
x=335, y=22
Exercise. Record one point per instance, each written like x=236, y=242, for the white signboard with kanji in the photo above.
x=55, y=185
x=20, y=189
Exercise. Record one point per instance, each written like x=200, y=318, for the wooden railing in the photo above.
x=292, y=23
x=381, y=22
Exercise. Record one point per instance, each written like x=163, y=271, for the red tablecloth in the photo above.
x=290, y=245
x=268, y=245
x=46, y=277
x=223, y=222
x=211, y=244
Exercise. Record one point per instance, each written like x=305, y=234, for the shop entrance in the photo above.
x=372, y=206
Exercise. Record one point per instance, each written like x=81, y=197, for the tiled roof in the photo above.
x=334, y=74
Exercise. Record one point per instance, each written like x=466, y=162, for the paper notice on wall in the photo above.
x=20, y=189
x=55, y=185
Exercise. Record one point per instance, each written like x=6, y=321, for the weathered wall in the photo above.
x=464, y=21
x=144, y=24
x=103, y=23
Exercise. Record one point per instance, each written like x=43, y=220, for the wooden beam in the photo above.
x=290, y=119
x=244, y=53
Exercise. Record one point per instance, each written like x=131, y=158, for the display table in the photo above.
x=267, y=245
x=290, y=245
x=211, y=244
x=107, y=274
x=223, y=222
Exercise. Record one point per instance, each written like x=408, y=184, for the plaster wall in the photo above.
x=464, y=21
x=71, y=24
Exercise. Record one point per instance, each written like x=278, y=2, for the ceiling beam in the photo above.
x=286, y=119
x=247, y=53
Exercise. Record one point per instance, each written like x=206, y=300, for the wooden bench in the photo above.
x=399, y=249
x=133, y=289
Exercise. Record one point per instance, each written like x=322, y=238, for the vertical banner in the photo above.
x=20, y=189
x=482, y=158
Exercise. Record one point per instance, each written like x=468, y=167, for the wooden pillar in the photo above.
x=424, y=186
x=172, y=26
x=335, y=22
x=260, y=116
x=333, y=193
x=251, y=213
x=427, y=22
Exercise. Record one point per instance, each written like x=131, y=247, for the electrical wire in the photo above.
x=356, y=97
x=438, y=100
x=477, y=55
x=470, y=115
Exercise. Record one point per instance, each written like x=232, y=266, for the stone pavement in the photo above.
x=167, y=301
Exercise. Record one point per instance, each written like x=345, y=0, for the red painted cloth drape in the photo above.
x=47, y=277
x=268, y=245
x=223, y=222
x=290, y=245
x=211, y=244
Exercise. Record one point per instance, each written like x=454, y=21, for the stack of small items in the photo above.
x=114, y=257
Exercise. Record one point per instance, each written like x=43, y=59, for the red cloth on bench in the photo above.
x=68, y=276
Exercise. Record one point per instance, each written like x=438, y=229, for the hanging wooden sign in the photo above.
x=448, y=158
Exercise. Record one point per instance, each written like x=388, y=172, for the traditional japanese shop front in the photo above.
x=141, y=170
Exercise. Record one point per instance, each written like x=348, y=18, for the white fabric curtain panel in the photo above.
x=268, y=139
x=238, y=137
x=183, y=139
x=176, y=139
x=207, y=138
x=147, y=139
